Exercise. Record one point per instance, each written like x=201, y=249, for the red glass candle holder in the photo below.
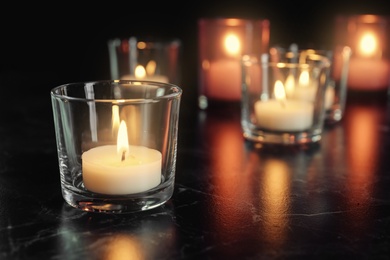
x=222, y=42
x=368, y=37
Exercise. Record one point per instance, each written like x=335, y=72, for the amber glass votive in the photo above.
x=222, y=42
x=368, y=36
x=116, y=143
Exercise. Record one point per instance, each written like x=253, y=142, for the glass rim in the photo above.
x=232, y=21
x=176, y=91
x=324, y=62
x=149, y=42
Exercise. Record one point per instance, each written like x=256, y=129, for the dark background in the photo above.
x=47, y=45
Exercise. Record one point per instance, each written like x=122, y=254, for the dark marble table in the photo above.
x=232, y=199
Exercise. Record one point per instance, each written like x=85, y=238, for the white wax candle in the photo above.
x=287, y=115
x=104, y=171
x=307, y=93
x=223, y=80
x=368, y=73
x=158, y=78
x=303, y=89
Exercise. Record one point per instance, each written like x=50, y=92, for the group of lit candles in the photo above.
x=141, y=166
x=369, y=68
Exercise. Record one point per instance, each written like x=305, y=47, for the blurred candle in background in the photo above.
x=145, y=59
x=368, y=37
x=222, y=42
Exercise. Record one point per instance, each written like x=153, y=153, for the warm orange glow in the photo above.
x=368, y=44
x=151, y=67
x=364, y=148
x=279, y=92
x=122, y=141
x=141, y=45
x=275, y=180
x=140, y=72
x=123, y=247
x=276, y=204
x=363, y=157
x=232, y=45
x=230, y=179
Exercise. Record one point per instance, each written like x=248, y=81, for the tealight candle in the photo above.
x=305, y=89
x=224, y=78
x=284, y=115
x=222, y=43
x=369, y=64
x=121, y=169
x=366, y=70
x=224, y=75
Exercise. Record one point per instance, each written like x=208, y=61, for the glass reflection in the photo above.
x=122, y=247
x=108, y=237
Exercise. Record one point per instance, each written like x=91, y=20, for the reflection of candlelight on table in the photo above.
x=230, y=180
x=122, y=246
x=121, y=169
x=364, y=153
x=281, y=114
x=223, y=75
x=275, y=194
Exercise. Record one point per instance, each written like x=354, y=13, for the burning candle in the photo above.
x=224, y=75
x=367, y=70
x=280, y=114
x=148, y=73
x=304, y=89
x=368, y=37
x=121, y=169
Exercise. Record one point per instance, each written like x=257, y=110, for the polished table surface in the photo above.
x=232, y=199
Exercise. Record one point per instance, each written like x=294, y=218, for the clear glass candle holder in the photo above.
x=337, y=80
x=116, y=143
x=145, y=59
x=283, y=102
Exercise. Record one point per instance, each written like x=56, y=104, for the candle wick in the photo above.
x=123, y=156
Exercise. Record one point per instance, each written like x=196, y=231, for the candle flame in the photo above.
x=304, y=78
x=115, y=119
x=290, y=83
x=368, y=44
x=122, y=144
x=232, y=44
x=279, y=92
x=151, y=67
x=140, y=72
